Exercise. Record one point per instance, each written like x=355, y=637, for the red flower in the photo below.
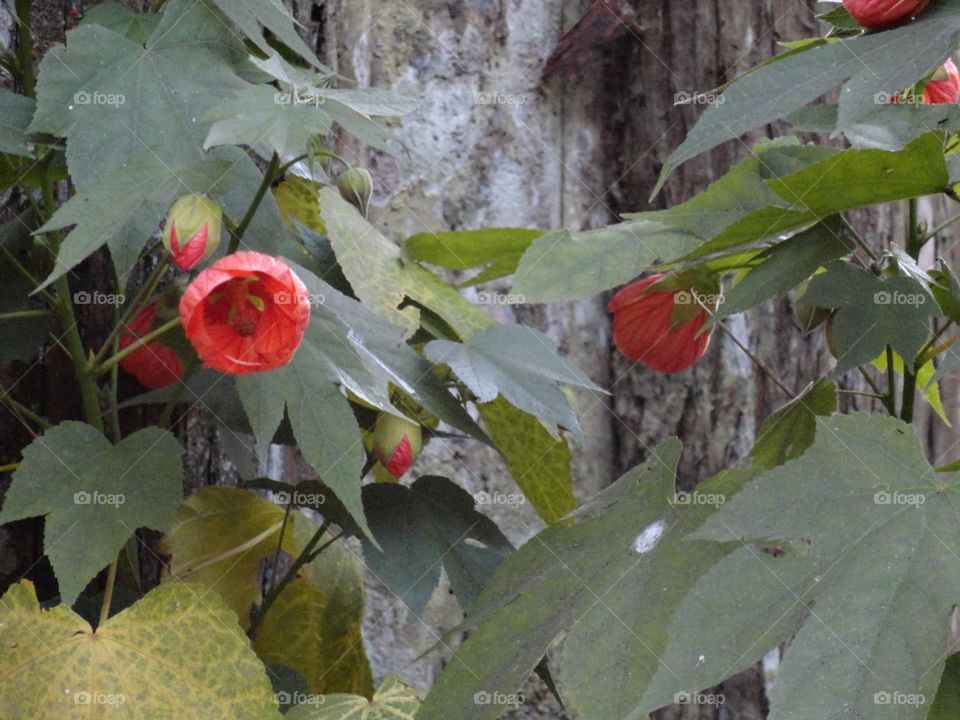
x=880, y=14
x=396, y=443
x=192, y=232
x=246, y=313
x=944, y=88
x=646, y=326
x=153, y=365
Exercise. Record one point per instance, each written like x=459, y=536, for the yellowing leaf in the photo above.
x=314, y=625
x=299, y=198
x=219, y=537
x=176, y=653
x=392, y=701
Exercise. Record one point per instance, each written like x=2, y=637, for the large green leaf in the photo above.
x=14, y=120
x=255, y=16
x=174, y=653
x=429, y=526
x=876, y=524
x=218, y=540
x=20, y=338
x=518, y=363
x=787, y=433
x=137, y=26
x=882, y=62
x=393, y=700
x=94, y=495
x=946, y=705
x=498, y=249
x=314, y=625
x=872, y=313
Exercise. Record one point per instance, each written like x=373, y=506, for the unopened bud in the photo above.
x=397, y=443
x=192, y=232
x=356, y=187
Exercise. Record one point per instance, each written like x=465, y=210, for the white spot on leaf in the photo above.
x=647, y=540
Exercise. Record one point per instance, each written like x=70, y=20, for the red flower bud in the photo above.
x=153, y=365
x=658, y=326
x=397, y=443
x=880, y=14
x=245, y=313
x=192, y=232
x=944, y=87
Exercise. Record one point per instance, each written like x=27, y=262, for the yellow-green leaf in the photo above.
x=176, y=653
x=219, y=537
x=314, y=625
x=299, y=198
x=393, y=701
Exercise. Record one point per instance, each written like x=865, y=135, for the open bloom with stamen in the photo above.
x=658, y=326
x=153, y=365
x=246, y=313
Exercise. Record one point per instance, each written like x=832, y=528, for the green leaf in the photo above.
x=787, y=433
x=784, y=266
x=499, y=249
x=867, y=65
x=20, y=338
x=430, y=525
x=219, y=538
x=314, y=625
x=369, y=260
x=267, y=121
x=562, y=265
x=271, y=15
x=14, y=120
x=392, y=701
x=926, y=381
x=519, y=363
x=136, y=26
x=878, y=528
x=94, y=495
x=872, y=313
x=946, y=705
x=174, y=653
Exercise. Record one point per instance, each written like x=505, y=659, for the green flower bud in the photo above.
x=356, y=186
x=396, y=443
x=192, y=232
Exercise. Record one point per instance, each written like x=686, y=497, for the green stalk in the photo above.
x=891, y=384
x=25, y=49
x=140, y=342
x=21, y=409
x=914, y=245
x=269, y=176
x=24, y=314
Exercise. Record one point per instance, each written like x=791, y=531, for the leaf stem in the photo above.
x=855, y=236
x=766, y=369
x=891, y=383
x=21, y=409
x=9, y=467
x=134, y=346
x=939, y=229
x=24, y=314
x=108, y=593
x=25, y=48
x=914, y=246
x=236, y=234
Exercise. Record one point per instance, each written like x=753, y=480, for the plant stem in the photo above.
x=914, y=246
x=134, y=346
x=891, y=383
x=766, y=369
x=108, y=593
x=290, y=576
x=23, y=410
x=855, y=236
x=24, y=314
x=12, y=259
x=25, y=48
x=939, y=229
x=10, y=467
x=167, y=415
x=268, y=177
x=232, y=552
x=135, y=307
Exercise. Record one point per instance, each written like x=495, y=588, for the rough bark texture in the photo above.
x=565, y=151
